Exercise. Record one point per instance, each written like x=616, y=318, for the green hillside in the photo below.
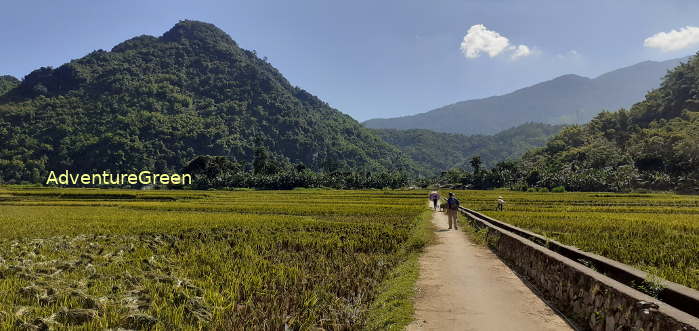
x=157, y=102
x=7, y=83
x=653, y=145
x=435, y=152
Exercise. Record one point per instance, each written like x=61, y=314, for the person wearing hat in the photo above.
x=434, y=197
x=452, y=210
x=501, y=204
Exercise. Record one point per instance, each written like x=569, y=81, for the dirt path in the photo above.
x=463, y=286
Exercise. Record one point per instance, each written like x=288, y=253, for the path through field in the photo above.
x=463, y=286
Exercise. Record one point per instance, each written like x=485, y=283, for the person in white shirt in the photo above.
x=501, y=204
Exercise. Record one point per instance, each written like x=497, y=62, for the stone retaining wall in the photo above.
x=592, y=300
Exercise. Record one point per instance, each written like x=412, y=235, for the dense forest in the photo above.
x=434, y=152
x=653, y=145
x=266, y=172
x=158, y=102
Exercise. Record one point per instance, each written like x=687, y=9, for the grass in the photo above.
x=93, y=259
x=657, y=233
x=479, y=236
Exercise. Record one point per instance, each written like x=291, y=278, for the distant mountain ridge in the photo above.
x=568, y=99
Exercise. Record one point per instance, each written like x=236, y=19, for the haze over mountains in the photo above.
x=568, y=99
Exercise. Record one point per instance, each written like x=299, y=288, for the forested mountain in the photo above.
x=435, y=151
x=7, y=83
x=568, y=99
x=653, y=145
x=155, y=103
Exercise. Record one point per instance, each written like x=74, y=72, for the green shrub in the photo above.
x=519, y=187
x=559, y=189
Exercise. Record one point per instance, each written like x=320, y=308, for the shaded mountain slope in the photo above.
x=434, y=152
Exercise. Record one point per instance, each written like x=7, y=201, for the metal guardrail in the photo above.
x=680, y=297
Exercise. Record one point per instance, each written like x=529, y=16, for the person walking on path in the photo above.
x=453, y=210
x=434, y=197
x=464, y=286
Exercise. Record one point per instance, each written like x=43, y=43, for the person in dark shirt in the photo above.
x=453, y=210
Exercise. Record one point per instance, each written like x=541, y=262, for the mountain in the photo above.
x=434, y=152
x=654, y=145
x=568, y=99
x=7, y=83
x=154, y=103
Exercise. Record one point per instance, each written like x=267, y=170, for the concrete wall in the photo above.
x=592, y=300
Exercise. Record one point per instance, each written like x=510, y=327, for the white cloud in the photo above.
x=571, y=54
x=520, y=51
x=479, y=40
x=674, y=40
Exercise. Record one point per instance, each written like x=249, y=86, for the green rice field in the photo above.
x=301, y=259
x=657, y=233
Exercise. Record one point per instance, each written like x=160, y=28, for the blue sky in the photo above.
x=377, y=58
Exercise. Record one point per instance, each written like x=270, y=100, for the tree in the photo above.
x=261, y=163
x=476, y=164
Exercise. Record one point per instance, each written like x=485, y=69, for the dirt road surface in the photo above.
x=464, y=286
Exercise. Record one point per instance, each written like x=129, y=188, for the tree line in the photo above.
x=268, y=172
